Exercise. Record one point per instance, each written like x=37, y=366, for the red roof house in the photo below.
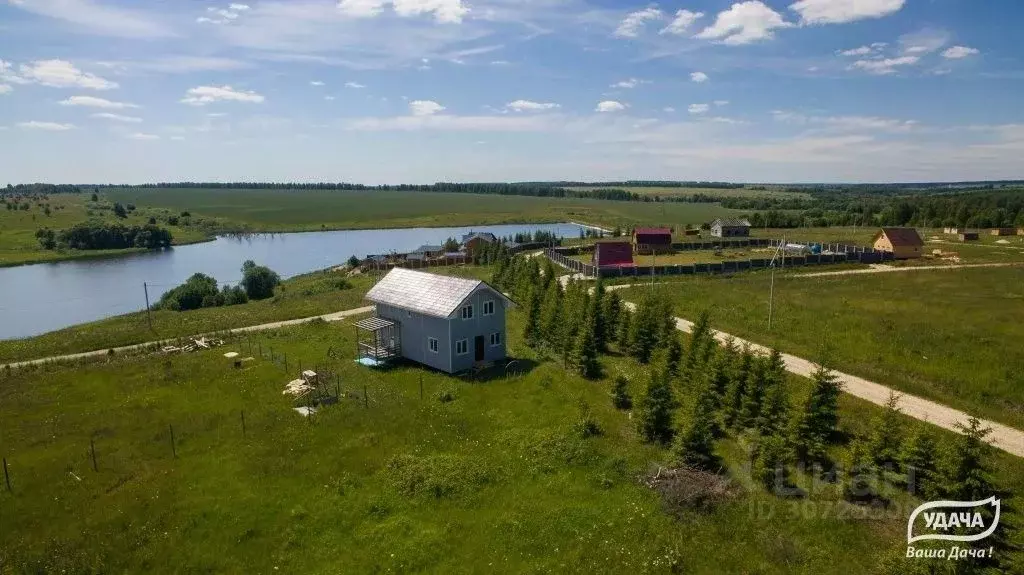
x=656, y=240
x=613, y=254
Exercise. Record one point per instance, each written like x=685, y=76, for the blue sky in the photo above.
x=414, y=91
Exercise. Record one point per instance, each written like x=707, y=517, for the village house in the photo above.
x=1004, y=232
x=429, y=251
x=448, y=323
x=968, y=236
x=652, y=240
x=613, y=254
x=474, y=242
x=730, y=228
x=903, y=243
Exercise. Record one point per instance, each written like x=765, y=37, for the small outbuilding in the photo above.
x=903, y=243
x=1004, y=232
x=652, y=240
x=968, y=236
x=448, y=323
x=730, y=228
x=429, y=251
x=613, y=254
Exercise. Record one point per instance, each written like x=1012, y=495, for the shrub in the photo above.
x=259, y=281
x=198, y=291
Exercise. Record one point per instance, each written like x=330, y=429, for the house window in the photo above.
x=496, y=338
x=467, y=312
x=489, y=307
x=432, y=344
x=462, y=347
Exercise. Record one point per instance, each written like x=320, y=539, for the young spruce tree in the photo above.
x=655, y=407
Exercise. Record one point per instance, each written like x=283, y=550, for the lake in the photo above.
x=38, y=298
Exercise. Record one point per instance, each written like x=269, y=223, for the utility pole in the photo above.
x=149, y=318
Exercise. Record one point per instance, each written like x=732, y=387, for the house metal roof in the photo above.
x=427, y=248
x=653, y=231
x=901, y=236
x=731, y=223
x=486, y=236
x=426, y=293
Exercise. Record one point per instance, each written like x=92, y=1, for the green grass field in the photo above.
x=944, y=335
x=297, y=210
x=18, y=244
x=495, y=481
x=668, y=192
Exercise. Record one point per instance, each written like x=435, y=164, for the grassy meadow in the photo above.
x=498, y=479
x=18, y=244
x=673, y=192
x=947, y=335
x=301, y=210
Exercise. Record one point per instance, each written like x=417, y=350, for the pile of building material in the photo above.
x=194, y=344
x=297, y=387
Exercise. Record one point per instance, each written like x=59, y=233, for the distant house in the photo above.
x=953, y=231
x=613, y=254
x=474, y=242
x=429, y=251
x=652, y=240
x=968, y=236
x=730, y=228
x=903, y=243
x=692, y=232
x=447, y=323
x=1004, y=232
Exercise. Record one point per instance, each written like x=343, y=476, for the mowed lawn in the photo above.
x=496, y=480
x=952, y=336
x=284, y=210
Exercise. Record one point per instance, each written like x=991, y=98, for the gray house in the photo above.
x=730, y=228
x=448, y=323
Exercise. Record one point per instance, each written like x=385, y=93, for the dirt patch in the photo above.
x=687, y=490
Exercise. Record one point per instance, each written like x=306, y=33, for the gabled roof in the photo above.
x=907, y=237
x=652, y=231
x=731, y=223
x=427, y=248
x=426, y=293
x=486, y=236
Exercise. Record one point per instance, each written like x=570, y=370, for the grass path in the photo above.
x=336, y=316
x=1004, y=437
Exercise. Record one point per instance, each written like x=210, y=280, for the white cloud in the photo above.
x=610, y=106
x=203, y=95
x=885, y=66
x=923, y=41
x=5, y=89
x=507, y=123
x=631, y=25
x=847, y=123
x=743, y=23
x=238, y=7
x=862, y=51
x=329, y=98
x=317, y=83
x=141, y=136
x=957, y=52
x=354, y=85
x=682, y=22
x=425, y=108
x=222, y=15
x=669, y=109
x=178, y=138
x=92, y=102
x=529, y=106
x=843, y=11
x=627, y=84
x=721, y=102
x=698, y=108
x=698, y=77
x=89, y=16
x=444, y=11
x=46, y=126
x=117, y=118
x=62, y=74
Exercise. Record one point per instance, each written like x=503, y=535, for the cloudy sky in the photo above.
x=411, y=91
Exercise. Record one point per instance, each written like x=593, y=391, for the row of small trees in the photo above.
x=201, y=290
x=104, y=236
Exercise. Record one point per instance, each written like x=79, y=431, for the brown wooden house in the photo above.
x=903, y=243
x=613, y=254
x=652, y=240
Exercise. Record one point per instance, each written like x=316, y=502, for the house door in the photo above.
x=478, y=344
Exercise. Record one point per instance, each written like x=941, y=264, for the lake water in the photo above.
x=39, y=298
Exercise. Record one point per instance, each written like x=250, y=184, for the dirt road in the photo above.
x=337, y=316
x=882, y=268
x=1004, y=437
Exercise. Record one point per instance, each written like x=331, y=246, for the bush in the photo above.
x=259, y=281
x=198, y=291
x=100, y=236
x=119, y=211
x=353, y=262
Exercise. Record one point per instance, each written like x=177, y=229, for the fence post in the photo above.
x=92, y=451
x=366, y=400
x=421, y=386
x=7, y=476
x=286, y=362
x=243, y=423
x=174, y=452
